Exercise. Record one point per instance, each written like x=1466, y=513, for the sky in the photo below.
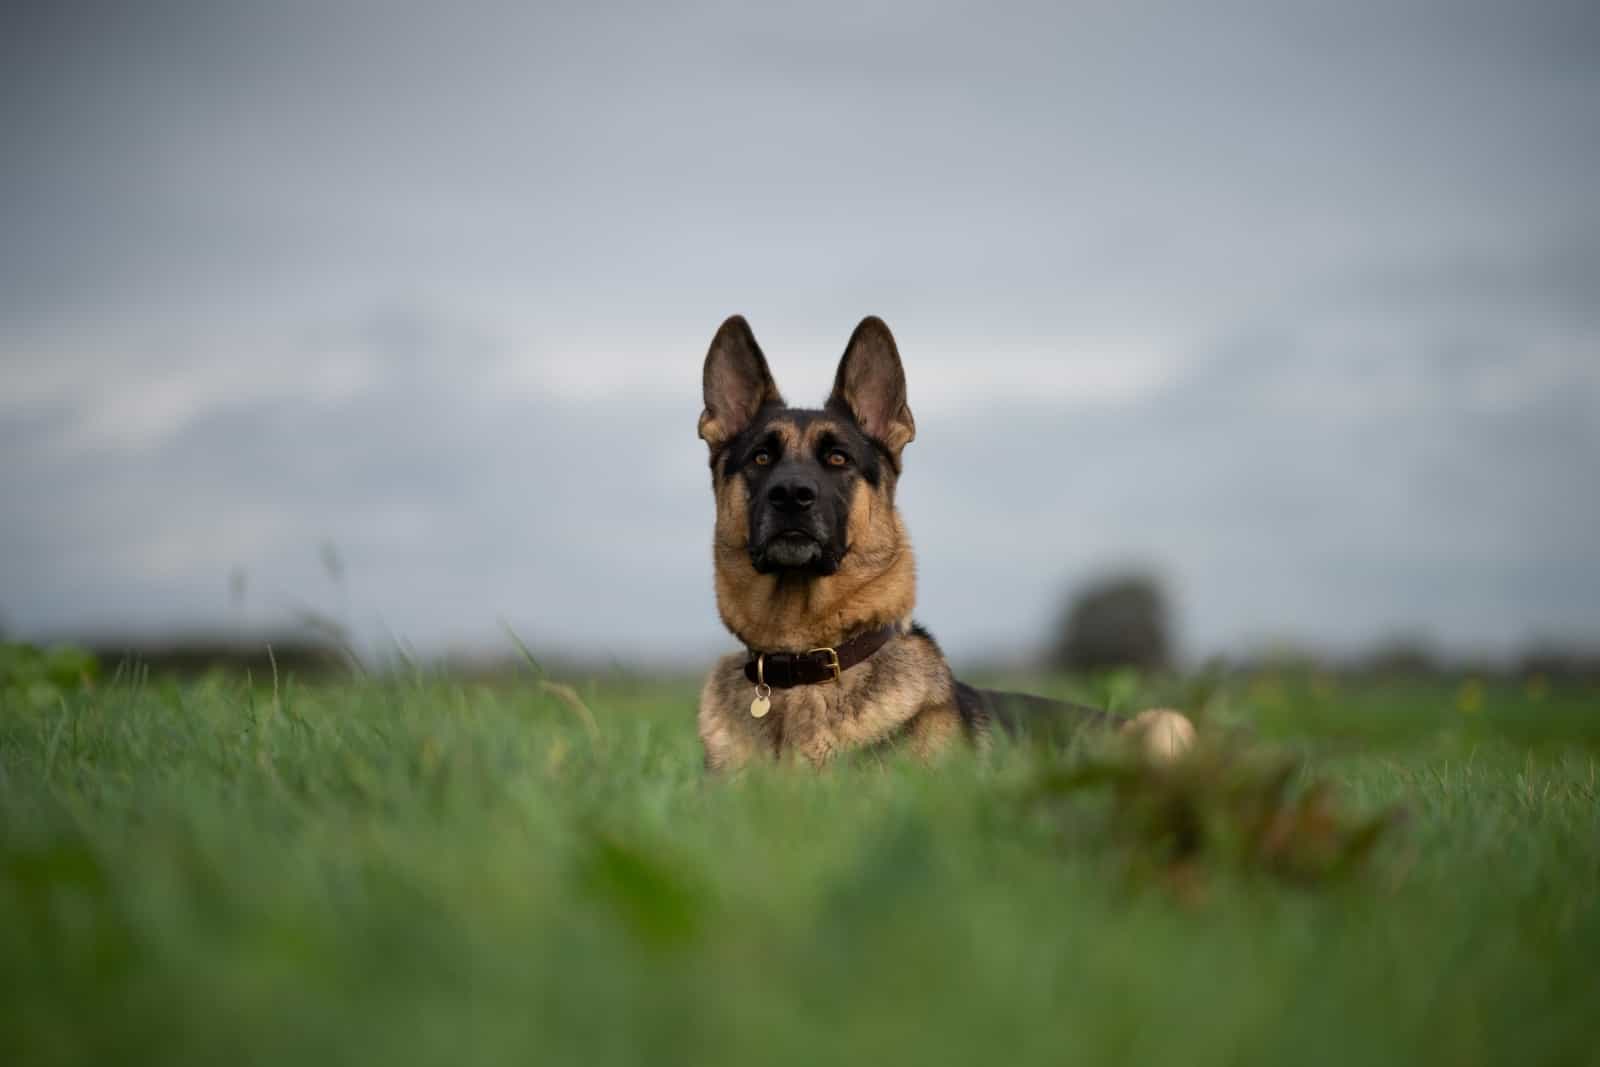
x=1297, y=306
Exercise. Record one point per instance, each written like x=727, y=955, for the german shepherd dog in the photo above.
x=815, y=577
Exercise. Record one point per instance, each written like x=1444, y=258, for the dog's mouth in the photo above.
x=793, y=550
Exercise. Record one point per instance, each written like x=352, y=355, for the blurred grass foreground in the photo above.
x=414, y=867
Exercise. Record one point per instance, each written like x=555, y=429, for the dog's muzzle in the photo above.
x=793, y=550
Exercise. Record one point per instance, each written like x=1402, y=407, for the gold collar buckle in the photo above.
x=833, y=660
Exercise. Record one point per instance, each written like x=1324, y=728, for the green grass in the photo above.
x=421, y=870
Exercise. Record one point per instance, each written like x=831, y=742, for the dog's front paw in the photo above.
x=1163, y=734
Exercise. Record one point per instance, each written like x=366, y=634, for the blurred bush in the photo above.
x=1229, y=803
x=1119, y=621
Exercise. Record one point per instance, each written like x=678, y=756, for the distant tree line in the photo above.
x=1125, y=620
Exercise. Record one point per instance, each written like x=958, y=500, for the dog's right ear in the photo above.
x=737, y=383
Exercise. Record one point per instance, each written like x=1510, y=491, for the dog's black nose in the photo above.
x=792, y=494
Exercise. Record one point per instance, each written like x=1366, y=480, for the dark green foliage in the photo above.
x=39, y=676
x=1227, y=805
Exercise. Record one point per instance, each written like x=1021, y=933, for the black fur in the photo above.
x=1025, y=716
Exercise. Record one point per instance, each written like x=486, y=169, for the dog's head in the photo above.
x=801, y=492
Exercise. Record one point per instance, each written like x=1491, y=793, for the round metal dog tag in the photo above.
x=763, y=701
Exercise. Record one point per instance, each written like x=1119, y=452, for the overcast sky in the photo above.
x=1298, y=305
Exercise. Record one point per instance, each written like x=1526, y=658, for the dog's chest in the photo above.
x=817, y=722
x=871, y=704
x=806, y=721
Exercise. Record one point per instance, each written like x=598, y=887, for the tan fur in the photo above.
x=935, y=731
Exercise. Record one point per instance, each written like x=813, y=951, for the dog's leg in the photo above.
x=934, y=730
x=727, y=747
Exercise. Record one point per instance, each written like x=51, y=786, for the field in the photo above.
x=420, y=869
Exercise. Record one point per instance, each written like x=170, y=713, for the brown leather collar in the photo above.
x=785, y=670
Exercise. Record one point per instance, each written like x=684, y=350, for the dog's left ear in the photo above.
x=871, y=386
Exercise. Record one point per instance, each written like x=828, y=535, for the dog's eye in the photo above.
x=761, y=458
x=837, y=458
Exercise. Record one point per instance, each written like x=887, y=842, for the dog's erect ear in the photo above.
x=737, y=383
x=871, y=386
